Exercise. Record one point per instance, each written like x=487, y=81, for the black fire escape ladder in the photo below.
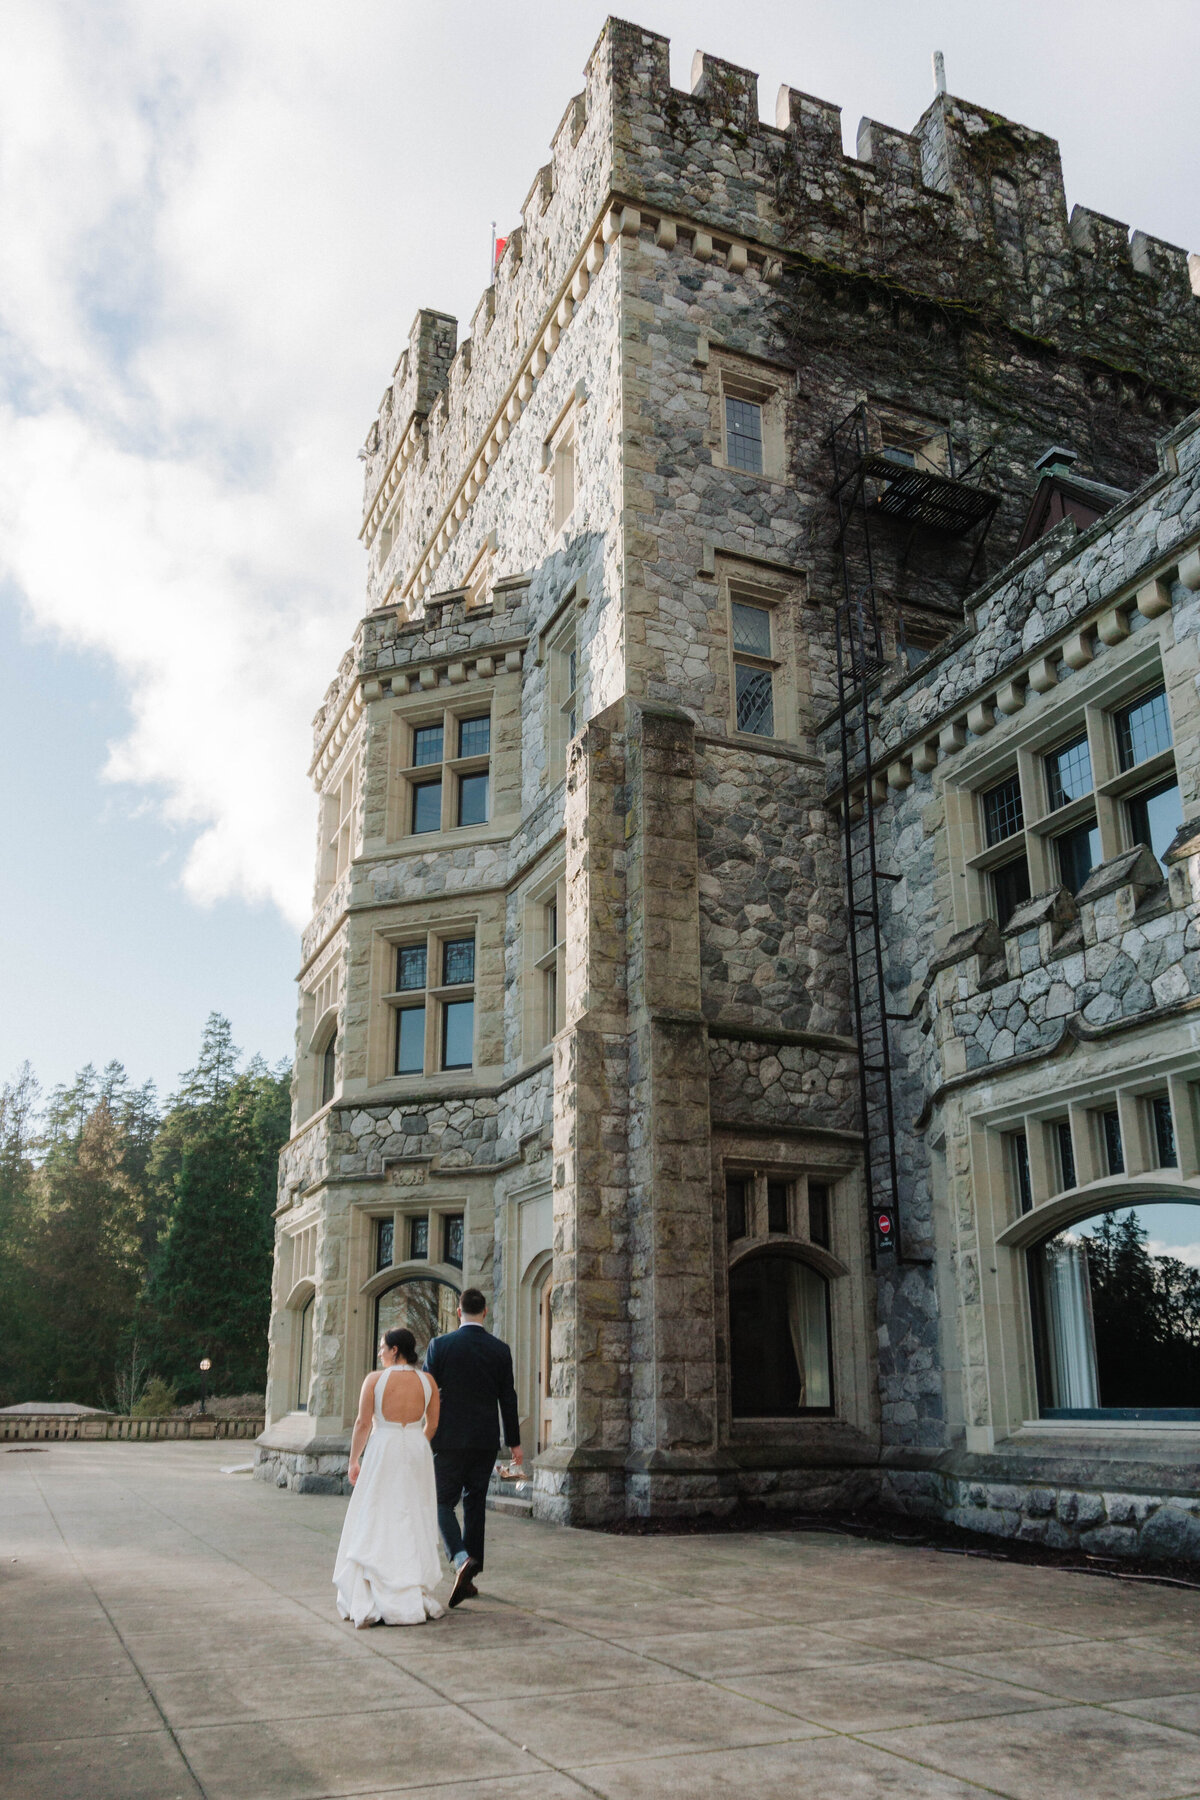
x=860, y=661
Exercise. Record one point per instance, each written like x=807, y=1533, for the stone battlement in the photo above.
x=967, y=212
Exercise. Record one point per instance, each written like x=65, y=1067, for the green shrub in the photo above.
x=158, y=1398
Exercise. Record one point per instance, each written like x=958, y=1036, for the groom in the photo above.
x=474, y=1371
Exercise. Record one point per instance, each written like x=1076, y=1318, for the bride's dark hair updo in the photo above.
x=401, y=1340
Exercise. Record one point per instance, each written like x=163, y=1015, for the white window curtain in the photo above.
x=1072, y=1341
x=808, y=1319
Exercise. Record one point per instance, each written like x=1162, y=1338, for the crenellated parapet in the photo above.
x=967, y=212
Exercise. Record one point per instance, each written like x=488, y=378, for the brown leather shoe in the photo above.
x=464, y=1582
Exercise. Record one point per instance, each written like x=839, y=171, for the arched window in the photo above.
x=329, y=1070
x=1115, y=1302
x=428, y=1308
x=779, y=1338
x=304, y=1368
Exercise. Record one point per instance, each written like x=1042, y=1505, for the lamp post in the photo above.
x=205, y=1366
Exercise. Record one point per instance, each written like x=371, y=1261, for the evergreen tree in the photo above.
x=23, y=1330
x=86, y=1264
x=209, y=1292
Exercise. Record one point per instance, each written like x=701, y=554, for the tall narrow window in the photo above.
x=1114, y=1149
x=564, y=478
x=818, y=1214
x=418, y=1237
x=474, y=742
x=339, y=827
x=737, y=1193
x=744, y=435
x=1164, y=1132
x=452, y=1239
x=458, y=1012
x=385, y=1243
x=1066, y=1155
x=1019, y=1150
x=753, y=667
x=329, y=1070
x=564, y=673
x=304, y=1359
x=550, y=969
x=778, y=1206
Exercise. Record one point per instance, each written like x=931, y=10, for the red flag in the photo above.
x=498, y=250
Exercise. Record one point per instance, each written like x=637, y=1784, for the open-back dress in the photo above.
x=387, y=1562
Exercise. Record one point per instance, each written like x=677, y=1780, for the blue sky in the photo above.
x=219, y=221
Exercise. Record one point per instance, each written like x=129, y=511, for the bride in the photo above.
x=387, y=1562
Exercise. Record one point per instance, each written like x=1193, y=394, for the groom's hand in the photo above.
x=518, y=1456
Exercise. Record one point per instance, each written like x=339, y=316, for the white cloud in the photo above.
x=220, y=217
x=1184, y=1253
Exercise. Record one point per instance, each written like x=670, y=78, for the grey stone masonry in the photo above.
x=584, y=727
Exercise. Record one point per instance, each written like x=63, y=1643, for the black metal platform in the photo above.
x=924, y=497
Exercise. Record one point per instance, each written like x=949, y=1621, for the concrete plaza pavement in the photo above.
x=169, y=1631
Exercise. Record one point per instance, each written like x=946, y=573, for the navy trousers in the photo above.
x=463, y=1475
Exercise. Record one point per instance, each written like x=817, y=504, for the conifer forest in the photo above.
x=135, y=1235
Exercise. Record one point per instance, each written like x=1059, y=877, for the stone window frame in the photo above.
x=780, y=598
x=544, y=972
x=760, y=1175
x=320, y=1021
x=441, y=917
x=735, y=376
x=560, y=461
x=558, y=640
x=436, y=995
x=1007, y=1228
x=338, y=811
x=925, y=439
x=1131, y=1096
x=366, y=1282
x=1021, y=751
x=448, y=709
x=437, y=1213
x=498, y=694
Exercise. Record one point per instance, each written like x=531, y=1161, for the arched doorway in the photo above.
x=425, y=1304
x=779, y=1337
x=1115, y=1312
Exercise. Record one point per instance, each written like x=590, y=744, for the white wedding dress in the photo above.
x=387, y=1562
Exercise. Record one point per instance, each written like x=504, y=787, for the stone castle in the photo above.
x=749, y=436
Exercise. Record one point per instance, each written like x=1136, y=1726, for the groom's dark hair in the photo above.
x=472, y=1301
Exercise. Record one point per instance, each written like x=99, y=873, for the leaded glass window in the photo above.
x=1003, y=813
x=1143, y=729
x=475, y=736
x=743, y=435
x=1069, y=773
x=458, y=961
x=755, y=701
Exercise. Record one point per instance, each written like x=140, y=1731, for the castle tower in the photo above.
x=574, y=1021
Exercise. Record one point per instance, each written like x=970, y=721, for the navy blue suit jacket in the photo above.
x=474, y=1371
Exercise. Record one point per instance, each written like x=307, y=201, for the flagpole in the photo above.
x=492, y=260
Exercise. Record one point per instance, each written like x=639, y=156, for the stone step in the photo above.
x=510, y=1503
